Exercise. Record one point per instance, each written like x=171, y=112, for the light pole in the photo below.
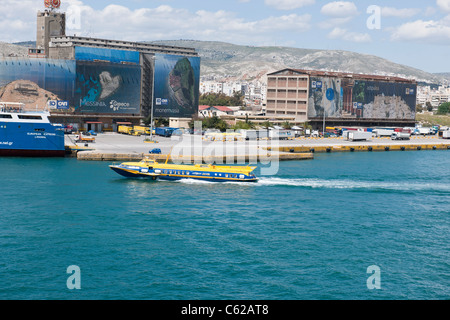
x=323, y=132
x=153, y=98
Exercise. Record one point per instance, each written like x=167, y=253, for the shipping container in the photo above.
x=359, y=135
x=164, y=132
x=381, y=132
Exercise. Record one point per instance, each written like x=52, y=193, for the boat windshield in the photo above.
x=147, y=162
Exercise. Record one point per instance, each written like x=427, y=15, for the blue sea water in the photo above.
x=310, y=232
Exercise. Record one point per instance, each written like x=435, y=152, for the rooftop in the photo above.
x=358, y=76
x=69, y=41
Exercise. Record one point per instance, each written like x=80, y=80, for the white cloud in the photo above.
x=344, y=34
x=288, y=4
x=161, y=23
x=399, y=13
x=339, y=9
x=18, y=20
x=444, y=5
x=437, y=32
x=334, y=22
x=429, y=11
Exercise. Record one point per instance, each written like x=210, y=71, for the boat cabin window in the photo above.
x=22, y=117
x=5, y=116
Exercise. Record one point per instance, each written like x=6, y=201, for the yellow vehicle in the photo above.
x=125, y=130
x=141, y=130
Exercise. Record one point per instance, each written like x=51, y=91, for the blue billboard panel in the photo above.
x=106, y=55
x=177, y=83
x=54, y=77
x=108, y=88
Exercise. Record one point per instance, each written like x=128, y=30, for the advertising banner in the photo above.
x=177, y=82
x=37, y=80
x=350, y=98
x=108, y=88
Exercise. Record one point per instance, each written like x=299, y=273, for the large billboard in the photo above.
x=177, y=82
x=352, y=98
x=104, y=87
x=36, y=81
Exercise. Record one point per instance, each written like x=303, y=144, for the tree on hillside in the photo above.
x=220, y=99
x=211, y=123
x=266, y=125
x=444, y=108
x=246, y=125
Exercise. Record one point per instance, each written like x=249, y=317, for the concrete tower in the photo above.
x=49, y=24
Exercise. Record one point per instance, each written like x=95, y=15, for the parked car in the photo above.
x=68, y=129
x=92, y=133
x=155, y=151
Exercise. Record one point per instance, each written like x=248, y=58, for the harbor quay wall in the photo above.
x=95, y=156
x=367, y=148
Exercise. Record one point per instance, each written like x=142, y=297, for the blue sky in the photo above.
x=414, y=33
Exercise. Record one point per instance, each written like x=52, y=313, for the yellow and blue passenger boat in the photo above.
x=151, y=169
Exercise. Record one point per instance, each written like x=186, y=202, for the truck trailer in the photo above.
x=280, y=134
x=359, y=135
x=383, y=132
x=400, y=136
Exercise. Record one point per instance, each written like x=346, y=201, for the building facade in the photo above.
x=340, y=99
x=97, y=83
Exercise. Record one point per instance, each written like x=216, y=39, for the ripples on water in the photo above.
x=310, y=232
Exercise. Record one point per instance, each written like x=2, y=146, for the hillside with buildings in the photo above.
x=225, y=60
x=12, y=50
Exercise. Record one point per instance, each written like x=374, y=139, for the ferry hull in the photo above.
x=128, y=172
x=32, y=153
x=31, y=140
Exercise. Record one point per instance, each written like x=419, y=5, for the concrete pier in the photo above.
x=117, y=147
x=112, y=157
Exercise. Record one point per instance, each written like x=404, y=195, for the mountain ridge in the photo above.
x=223, y=60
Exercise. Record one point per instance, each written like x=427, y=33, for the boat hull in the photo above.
x=32, y=153
x=177, y=175
x=31, y=140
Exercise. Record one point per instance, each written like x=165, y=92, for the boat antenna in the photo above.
x=168, y=156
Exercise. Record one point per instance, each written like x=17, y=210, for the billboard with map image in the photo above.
x=364, y=99
x=177, y=82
